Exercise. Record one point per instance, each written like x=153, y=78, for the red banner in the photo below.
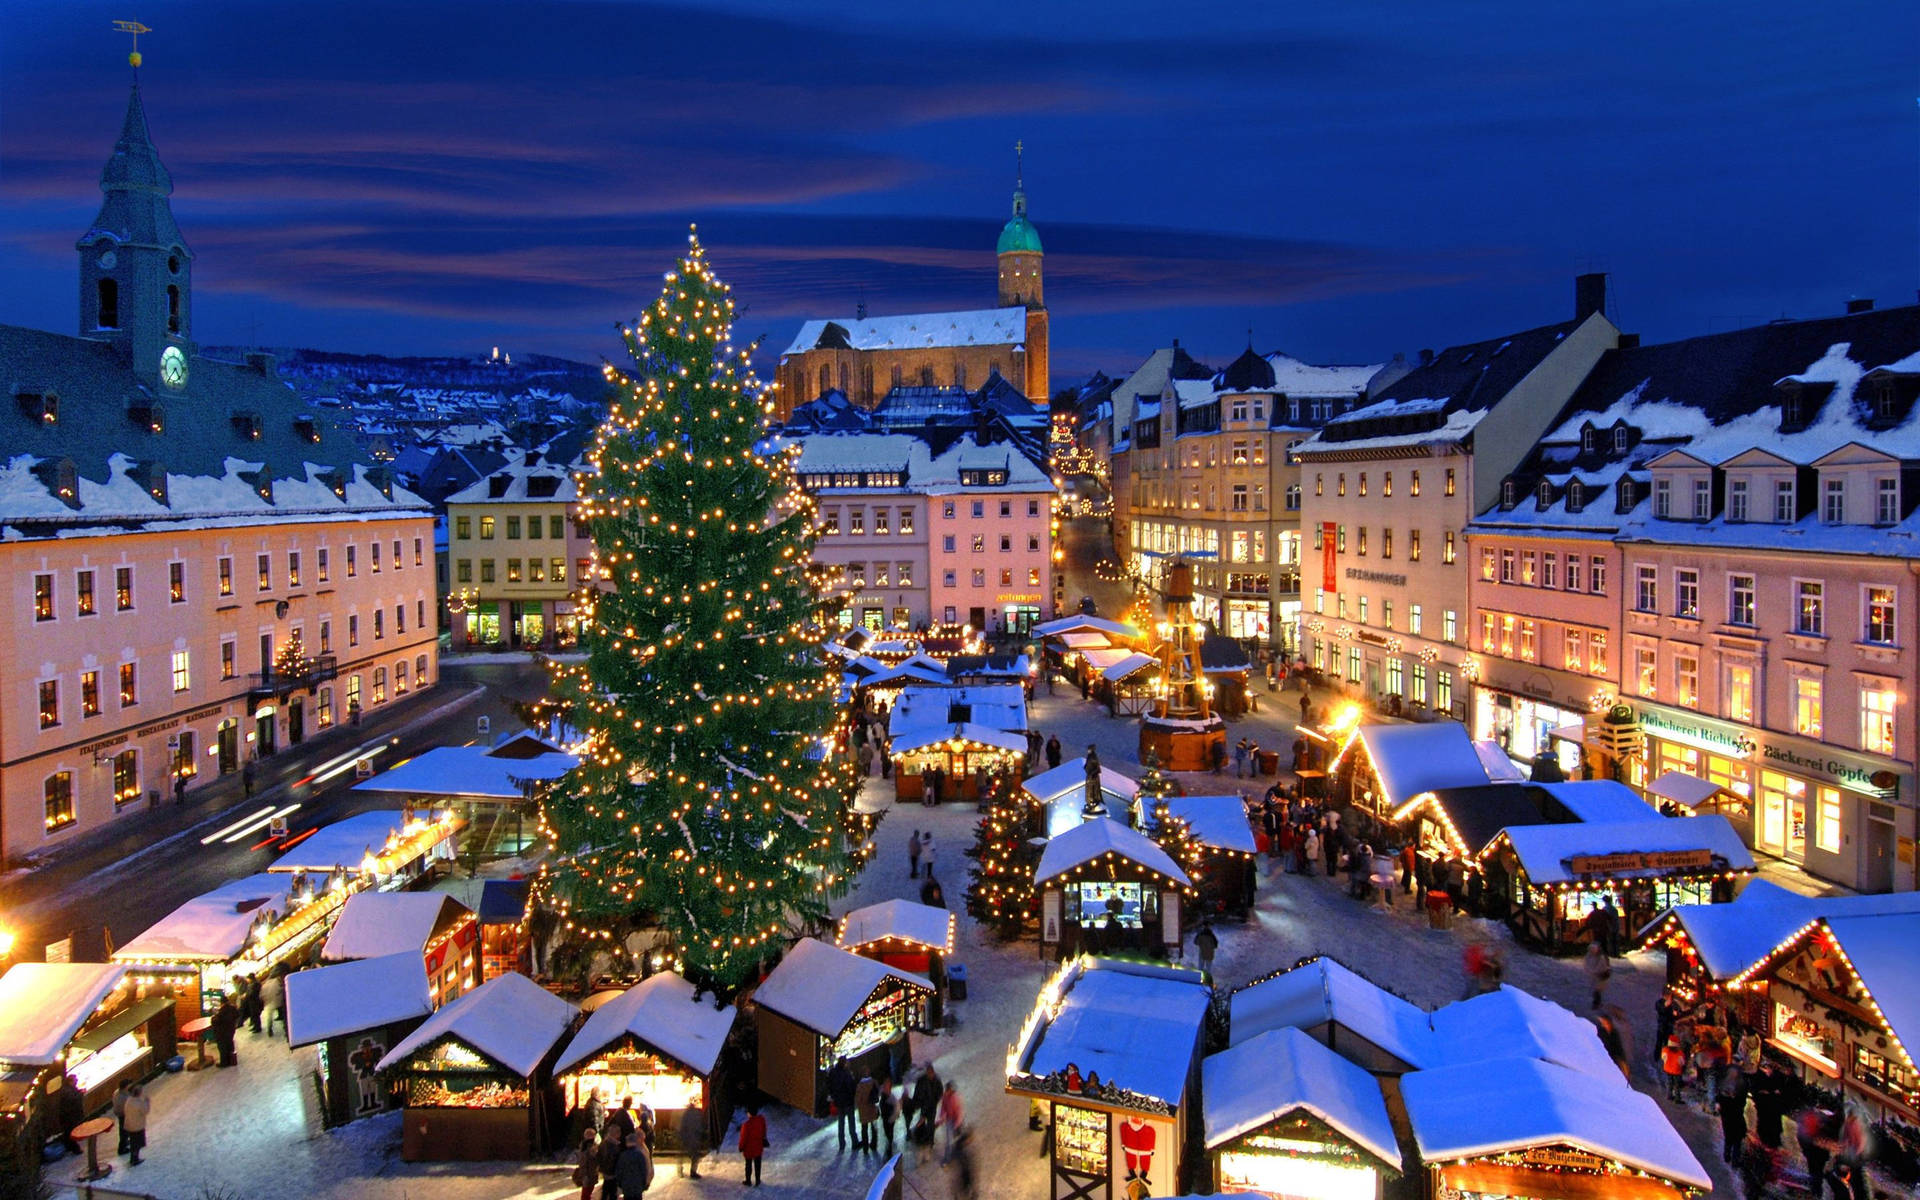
x=1329, y=577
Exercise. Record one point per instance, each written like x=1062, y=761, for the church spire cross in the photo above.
x=134, y=28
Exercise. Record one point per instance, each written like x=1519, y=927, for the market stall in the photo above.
x=1553, y=878
x=433, y=926
x=1536, y=1129
x=351, y=1013
x=495, y=788
x=960, y=733
x=1347, y=1013
x=823, y=1004
x=392, y=848
x=199, y=949
x=658, y=1045
x=1060, y=795
x=915, y=938
x=503, y=928
x=84, y=1020
x=1107, y=888
x=1383, y=767
x=1228, y=866
x=1111, y=1050
x=474, y=1074
x=1285, y=1116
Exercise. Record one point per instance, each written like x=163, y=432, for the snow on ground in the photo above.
x=254, y=1128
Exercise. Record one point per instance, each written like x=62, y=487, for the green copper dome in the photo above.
x=1018, y=236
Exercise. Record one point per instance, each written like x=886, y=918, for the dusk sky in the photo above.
x=1348, y=179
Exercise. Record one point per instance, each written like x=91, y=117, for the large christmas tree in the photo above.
x=711, y=790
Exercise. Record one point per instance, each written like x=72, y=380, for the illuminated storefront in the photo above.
x=92, y=1021
x=823, y=1004
x=1521, y=725
x=1107, y=888
x=653, y=1044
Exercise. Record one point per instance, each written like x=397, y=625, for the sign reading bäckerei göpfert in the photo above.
x=1850, y=770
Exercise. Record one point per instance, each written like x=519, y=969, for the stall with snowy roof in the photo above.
x=1556, y=877
x=1111, y=1050
x=1285, y=1116
x=657, y=1044
x=434, y=926
x=823, y=1004
x=1338, y=1008
x=251, y=926
x=391, y=848
x=475, y=1074
x=1107, y=888
x=504, y=945
x=351, y=1013
x=1225, y=846
x=1839, y=999
x=1385, y=766
x=963, y=733
x=1060, y=796
x=1489, y=1130
x=913, y=937
x=87, y=1021
x=501, y=783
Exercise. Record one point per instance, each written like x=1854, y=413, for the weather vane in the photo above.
x=136, y=29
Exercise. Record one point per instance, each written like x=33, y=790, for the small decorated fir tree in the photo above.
x=710, y=795
x=1001, y=893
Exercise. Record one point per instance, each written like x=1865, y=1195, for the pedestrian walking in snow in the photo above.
x=273, y=1000
x=133, y=1122
x=840, y=1089
x=866, y=1105
x=1599, y=972
x=254, y=1004
x=753, y=1143
x=226, y=1022
x=952, y=1112
x=120, y=1113
x=963, y=1168
x=913, y=855
x=246, y=779
x=1310, y=850
x=612, y=1145
x=693, y=1138
x=926, y=852
x=864, y=757
x=586, y=1164
x=1053, y=752
x=889, y=1105
x=1205, y=944
x=634, y=1170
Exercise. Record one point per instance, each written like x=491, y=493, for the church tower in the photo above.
x=1020, y=284
x=135, y=269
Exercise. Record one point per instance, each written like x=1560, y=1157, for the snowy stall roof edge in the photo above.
x=821, y=987
x=42, y=1005
x=1256, y=1082
x=661, y=1011
x=509, y=1018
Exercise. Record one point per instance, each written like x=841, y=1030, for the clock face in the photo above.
x=173, y=367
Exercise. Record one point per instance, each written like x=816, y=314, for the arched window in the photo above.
x=1589, y=439
x=109, y=304
x=826, y=378
x=1576, y=496
x=1507, y=493
x=1544, y=493
x=926, y=376
x=173, y=308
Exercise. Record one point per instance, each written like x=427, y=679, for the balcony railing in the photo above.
x=309, y=675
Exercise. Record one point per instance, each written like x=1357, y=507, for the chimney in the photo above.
x=1629, y=341
x=1859, y=304
x=1426, y=358
x=1176, y=343
x=261, y=362
x=1589, y=294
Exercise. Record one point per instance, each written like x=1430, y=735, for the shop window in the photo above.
x=379, y=685
x=1826, y=828
x=58, y=795
x=1597, y=652
x=1575, y=650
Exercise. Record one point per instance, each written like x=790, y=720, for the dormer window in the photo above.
x=247, y=425
x=1662, y=498
x=1833, y=502
x=1886, y=402
x=150, y=417
x=1736, y=500
x=1619, y=439
x=1886, y=500
x=1702, y=499
x=1507, y=494
x=1589, y=440
x=1544, y=493
x=1626, y=498
x=1576, y=495
x=306, y=428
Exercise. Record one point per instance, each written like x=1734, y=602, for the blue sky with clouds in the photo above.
x=1348, y=179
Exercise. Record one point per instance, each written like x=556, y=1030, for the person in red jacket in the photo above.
x=753, y=1143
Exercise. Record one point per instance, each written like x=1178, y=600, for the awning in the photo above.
x=1129, y=666
x=1106, y=657
x=1575, y=733
x=1083, y=641
x=1682, y=788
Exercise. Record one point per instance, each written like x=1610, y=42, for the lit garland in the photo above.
x=713, y=786
x=1002, y=891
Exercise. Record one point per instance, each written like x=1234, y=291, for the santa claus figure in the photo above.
x=1137, y=1139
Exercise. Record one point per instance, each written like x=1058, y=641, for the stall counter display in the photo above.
x=823, y=1003
x=658, y=1045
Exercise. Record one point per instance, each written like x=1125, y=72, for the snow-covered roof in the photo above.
x=662, y=1013
x=1468, y=1111
x=1880, y=951
x=912, y=464
x=920, y=737
x=1730, y=938
x=1307, y=380
x=1095, y=839
x=1682, y=788
x=1134, y=1025
x=1000, y=706
x=1083, y=640
x=42, y=1005
x=348, y=997
x=213, y=926
x=1510, y=1023
x=520, y=483
x=1411, y=759
x=1258, y=1081
x=373, y=924
x=467, y=771
x=1323, y=991
x=976, y=327
x=1083, y=623
x=1071, y=777
x=1124, y=667
x=1499, y=764
x=1544, y=851
x=821, y=987
x=1105, y=658
x=1219, y=822
x=1601, y=800
x=345, y=843
x=509, y=1018
x=901, y=920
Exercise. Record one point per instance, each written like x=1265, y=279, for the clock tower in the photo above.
x=136, y=273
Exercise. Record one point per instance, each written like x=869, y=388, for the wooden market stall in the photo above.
x=1111, y=1050
x=915, y=938
x=1228, y=867
x=504, y=945
x=1104, y=887
x=823, y=1004
x=391, y=848
x=1537, y=1129
x=495, y=788
x=439, y=930
x=1379, y=768
x=84, y=1020
x=474, y=1074
x=962, y=733
x=659, y=1046
x=1060, y=796
x=1285, y=1116
x=1555, y=877
x=351, y=1013
x=247, y=927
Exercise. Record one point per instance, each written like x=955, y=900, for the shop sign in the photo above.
x=1370, y=637
x=1386, y=577
x=1329, y=570
x=106, y=743
x=174, y=722
x=1639, y=860
x=1707, y=735
x=1559, y=1159
x=1856, y=774
x=1018, y=597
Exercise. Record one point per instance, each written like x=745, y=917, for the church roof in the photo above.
x=978, y=327
x=135, y=183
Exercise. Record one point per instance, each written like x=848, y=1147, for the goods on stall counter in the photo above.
x=426, y=1093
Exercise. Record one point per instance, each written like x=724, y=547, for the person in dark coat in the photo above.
x=930, y=893
x=226, y=1022
x=634, y=1170
x=586, y=1168
x=1816, y=1147
x=1053, y=752
x=840, y=1089
x=1733, y=1123
x=1769, y=1105
x=253, y=1004
x=612, y=1145
x=69, y=1109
